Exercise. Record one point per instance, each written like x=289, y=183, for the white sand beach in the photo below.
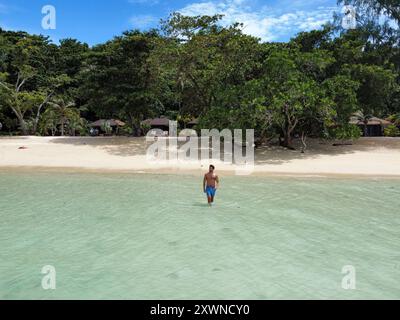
x=366, y=157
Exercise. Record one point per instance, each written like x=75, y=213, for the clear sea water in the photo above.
x=127, y=236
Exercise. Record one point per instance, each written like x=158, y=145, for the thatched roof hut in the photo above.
x=192, y=123
x=158, y=123
x=374, y=121
x=374, y=127
x=112, y=123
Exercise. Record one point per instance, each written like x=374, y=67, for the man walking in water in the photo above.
x=210, y=184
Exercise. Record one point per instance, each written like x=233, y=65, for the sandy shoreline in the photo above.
x=368, y=157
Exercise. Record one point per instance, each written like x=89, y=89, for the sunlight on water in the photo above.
x=153, y=237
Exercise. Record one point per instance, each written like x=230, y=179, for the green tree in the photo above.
x=63, y=111
x=377, y=7
x=201, y=58
x=377, y=85
x=343, y=91
x=296, y=101
x=29, y=79
x=117, y=81
x=49, y=122
x=392, y=131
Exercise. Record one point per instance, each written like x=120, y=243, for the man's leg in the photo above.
x=208, y=196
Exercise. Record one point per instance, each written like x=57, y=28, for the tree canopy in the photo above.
x=193, y=67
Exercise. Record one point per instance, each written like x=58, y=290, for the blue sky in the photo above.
x=96, y=21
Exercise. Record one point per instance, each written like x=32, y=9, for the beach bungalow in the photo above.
x=158, y=123
x=102, y=125
x=373, y=128
x=192, y=124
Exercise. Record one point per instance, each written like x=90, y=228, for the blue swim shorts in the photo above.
x=211, y=191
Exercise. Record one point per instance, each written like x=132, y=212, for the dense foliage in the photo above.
x=192, y=67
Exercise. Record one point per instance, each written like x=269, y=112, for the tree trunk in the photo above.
x=304, y=142
x=287, y=139
x=62, y=127
x=365, y=130
x=21, y=120
x=35, y=125
x=37, y=118
x=22, y=124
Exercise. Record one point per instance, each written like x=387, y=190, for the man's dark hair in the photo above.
x=211, y=166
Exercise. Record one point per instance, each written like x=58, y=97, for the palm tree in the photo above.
x=77, y=124
x=364, y=118
x=63, y=111
x=395, y=118
x=48, y=122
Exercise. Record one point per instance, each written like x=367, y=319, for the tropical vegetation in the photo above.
x=193, y=67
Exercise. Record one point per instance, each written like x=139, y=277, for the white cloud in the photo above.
x=267, y=23
x=204, y=8
x=142, y=21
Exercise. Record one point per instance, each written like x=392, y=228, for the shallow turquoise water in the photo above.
x=153, y=237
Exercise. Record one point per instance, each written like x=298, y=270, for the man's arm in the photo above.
x=204, y=183
x=217, y=181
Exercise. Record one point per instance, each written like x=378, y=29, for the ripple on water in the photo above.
x=154, y=237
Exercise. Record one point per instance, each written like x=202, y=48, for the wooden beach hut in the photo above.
x=158, y=123
x=192, y=124
x=101, y=124
x=374, y=127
